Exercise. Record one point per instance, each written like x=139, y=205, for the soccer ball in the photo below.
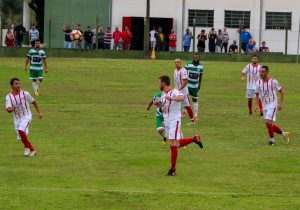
x=76, y=35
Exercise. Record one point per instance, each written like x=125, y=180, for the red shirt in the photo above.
x=117, y=35
x=126, y=36
x=173, y=40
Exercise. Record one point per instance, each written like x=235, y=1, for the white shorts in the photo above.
x=250, y=93
x=270, y=114
x=172, y=129
x=186, y=101
x=23, y=125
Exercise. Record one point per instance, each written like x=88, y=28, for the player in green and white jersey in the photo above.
x=195, y=72
x=37, y=57
x=159, y=117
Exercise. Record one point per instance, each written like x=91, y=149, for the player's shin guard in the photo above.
x=35, y=86
x=190, y=112
x=195, y=108
x=250, y=105
x=25, y=140
x=174, y=154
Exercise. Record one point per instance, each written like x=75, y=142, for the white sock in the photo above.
x=272, y=140
x=195, y=108
x=39, y=83
x=34, y=86
x=283, y=134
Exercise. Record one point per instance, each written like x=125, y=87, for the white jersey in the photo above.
x=179, y=76
x=252, y=75
x=152, y=36
x=171, y=109
x=267, y=91
x=21, y=102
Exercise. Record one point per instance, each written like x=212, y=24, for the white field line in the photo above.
x=137, y=192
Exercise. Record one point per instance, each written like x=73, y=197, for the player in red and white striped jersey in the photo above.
x=170, y=103
x=252, y=72
x=266, y=91
x=18, y=103
x=180, y=82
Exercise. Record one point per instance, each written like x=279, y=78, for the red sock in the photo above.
x=185, y=141
x=190, y=112
x=250, y=105
x=277, y=129
x=174, y=154
x=260, y=106
x=25, y=140
x=271, y=130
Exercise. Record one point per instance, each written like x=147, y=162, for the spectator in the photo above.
x=10, y=38
x=78, y=43
x=161, y=40
x=255, y=49
x=264, y=48
x=19, y=33
x=107, y=38
x=246, y=36
x=88, y=37
x=201, y=41
x=212, y=36
x=94, y=39
x=153, y=37
x=33, y=35
x=126, y=36
x=117, y=36
x=68, y=41
x=249, y=47
x=225, y=40
x=219, y=42
x=101, y=35
x=172, y=42
x=187, y=39
x=233, y=48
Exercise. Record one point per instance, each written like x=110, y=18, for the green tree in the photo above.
x=11, y=11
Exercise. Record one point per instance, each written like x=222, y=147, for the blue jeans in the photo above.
x=186, y=48
x=88, y=45
x=78, y=44
x=68, y=44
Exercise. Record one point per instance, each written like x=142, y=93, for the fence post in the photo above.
x=97, y=28
x=146, y=29
x=240, y=35
x=50, y=23
x=298, y=43
x=0, y=31
x=286, y=37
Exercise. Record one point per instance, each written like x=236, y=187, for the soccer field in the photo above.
x=98, y=147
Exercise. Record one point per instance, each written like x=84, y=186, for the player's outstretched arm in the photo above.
x=281, y=100
x=243, y=76
x=45, y=65
x=149, y=105
x=36, y=106
x=26, y=63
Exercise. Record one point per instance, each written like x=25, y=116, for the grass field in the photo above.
x=98, y=148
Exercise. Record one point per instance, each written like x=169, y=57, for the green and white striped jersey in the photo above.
x=194, y=74
x=36, y=59
x=157, y=96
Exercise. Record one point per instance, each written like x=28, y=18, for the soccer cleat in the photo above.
x=183, y=114
x=37, y=92
x=26, y=151
x=191, y=123
x=272, y=143
x=197, y=140
x=287, y=137
x=250, y=113
x=32, y=153
x=171, y=173
x=196, y=118
x=261, y=114
x=164, y=142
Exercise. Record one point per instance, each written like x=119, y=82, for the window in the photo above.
x=233, y=18
x=204, y=18
x=277, y=20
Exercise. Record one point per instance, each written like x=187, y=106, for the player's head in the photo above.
x=37, y=43
x=177, y=62
x=15, y=84
x=196, y=58
x=255, y=59
x=264, y=72
x=164, y=81
x=33, y=26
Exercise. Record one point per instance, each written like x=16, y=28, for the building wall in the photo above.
x=73, y=12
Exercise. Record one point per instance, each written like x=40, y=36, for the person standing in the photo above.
x=153, y=36
x=117, y=36
x=172, y=41
x=37, y=57
x=68, y=41
x=88, y=37
x=246, y=36
x=126, y=37
x=187, y=40
x=33, y=35
x=101, y=35
x=19, y=33
x=266, y=91
x=161, y=40
x=212, y=36
x=170, y=103
x=18, y=102
x=201, y=41
x=107, y=38
x=219, y=42
x=10, y=38
x=78, y=43
x=225, y=40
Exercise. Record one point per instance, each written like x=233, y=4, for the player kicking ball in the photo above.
x=252, y=73
x=170, y=103
x=37, y=58
x=17, y=102
x=266, y=91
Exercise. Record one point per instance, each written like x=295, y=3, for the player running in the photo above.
x=37, y=58
x=252, y=72
x=170, y=103
x=195, y=72
x=159, y=117
x=180, y=82
x=17, y=102
x=266, y=91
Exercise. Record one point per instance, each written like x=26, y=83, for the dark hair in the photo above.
x=196, y=54
x=265, y=67
x=255, y=55
x=13, y=80
x=37, y=40
x=165, y=79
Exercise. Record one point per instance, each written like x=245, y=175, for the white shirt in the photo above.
x=252, y=75
x=21, y=101
x=171, y=109
x=268, y=92
x=152, y=36
x=179, y=76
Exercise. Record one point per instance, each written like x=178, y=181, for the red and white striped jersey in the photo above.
x=21, y=102
x=267, y=91
x=179, y=76
x=252, y=72
x=171, y=109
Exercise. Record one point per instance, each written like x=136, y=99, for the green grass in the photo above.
x=98, y=148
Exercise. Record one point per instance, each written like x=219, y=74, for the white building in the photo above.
x=264, y=17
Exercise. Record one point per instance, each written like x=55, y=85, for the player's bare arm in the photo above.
x=149, y=105
x=257, y=101
x=243, y=77
x=184, y=83
x=280, y=105
x=200, y=82
x=26, y=64
x=157, y=103
x=36, y=106
x=45, y=65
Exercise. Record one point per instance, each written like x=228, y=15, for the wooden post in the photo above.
x=50, y=23
x=146, y=29
x=97, y=28
x=286, y=37
x=194, y=35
